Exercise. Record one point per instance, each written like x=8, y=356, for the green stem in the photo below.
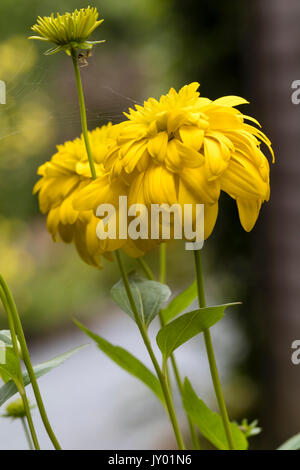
x=27, y=434
x=19, y=382
x=193, y=432
x=146, y=269
x=211, y=355
x=150, y=276
x=162, y=378
x=163, y=262
x=83, y=114
x=28, y=364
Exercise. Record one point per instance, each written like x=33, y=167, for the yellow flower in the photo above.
x=15, y=409
x=187, y=149
x=61, y=178
x=68, y=31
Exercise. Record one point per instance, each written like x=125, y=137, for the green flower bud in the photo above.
x=68, y=32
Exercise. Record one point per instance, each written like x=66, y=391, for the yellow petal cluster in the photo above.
x=61, y=178
x=186, y=149
x=182, y=149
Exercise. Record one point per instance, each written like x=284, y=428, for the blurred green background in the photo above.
x=151, y=46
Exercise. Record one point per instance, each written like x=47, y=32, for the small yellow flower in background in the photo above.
x=15, y=409
x=62, y=177
x=66, y=172
x=187, y=149
x=68, y=31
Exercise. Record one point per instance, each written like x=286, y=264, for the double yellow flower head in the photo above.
x=182, y=149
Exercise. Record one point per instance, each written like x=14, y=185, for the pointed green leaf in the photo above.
x=126, y=360
x=180, y=302
x=149, y=297
x=185, y=327
x=9, y=389
x=209, y=423
x=53, y=50
x=94, y=43
x=9, y=365
x=291, y=444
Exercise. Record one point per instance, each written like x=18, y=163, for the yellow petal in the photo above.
x=93, y=194
x=157, y=146
x=189, y=157
x=210, y=217
x=194, y=179
x=173, y=160
x=133, y=155
x=243, y=180
x=192, y=136
x=230, y=100
x=66, y=232
x=53, y=221
x=131, y=131
x=159, y=186
x=215, y=160
x=67, y=214
x=92, y=241
x=131, y=249
x=136, y=191
x=175, y=119
x=248, y=212
x=225, y=120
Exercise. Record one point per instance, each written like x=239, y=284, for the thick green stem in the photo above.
x=211, y=355
x=161, y=377
x=83, y=114
x=26, y=358
x=19, y=383
x=150, y=276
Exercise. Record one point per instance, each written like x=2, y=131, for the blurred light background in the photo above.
x=249, y=48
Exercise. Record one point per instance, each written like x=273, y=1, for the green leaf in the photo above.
x=149, y=297
x=209, y=423
x=180, y=330
x=9, y=389
x=127, y=361
x=5, y=343
x=53, y=50
x=180, y=302
x=5, y=337
x=291, y=444
x=9, y=365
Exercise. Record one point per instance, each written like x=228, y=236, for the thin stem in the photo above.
x=162, y=378
x=193, y=432
x=83, y=113
x=211, y=355
x=28, y=438
x=150, y=276
x=19, y=382
x=163, y=262
x=28, y=364
x=146, y=269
